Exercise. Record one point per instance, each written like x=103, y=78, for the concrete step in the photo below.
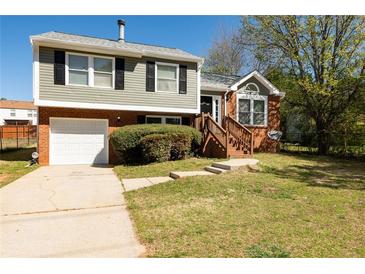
x=215, y=170
x=234, y=164
x=183, y=174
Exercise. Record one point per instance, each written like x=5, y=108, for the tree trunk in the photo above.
x=323, y=137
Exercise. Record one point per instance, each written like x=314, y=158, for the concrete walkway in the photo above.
x=245, y=164
x=66, y=211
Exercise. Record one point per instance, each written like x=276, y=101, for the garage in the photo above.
x=78, y=141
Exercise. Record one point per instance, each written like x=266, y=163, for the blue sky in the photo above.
x=190, y=33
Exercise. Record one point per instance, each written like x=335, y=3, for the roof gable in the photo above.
x=272, y=89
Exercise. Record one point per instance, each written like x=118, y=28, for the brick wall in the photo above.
x=126, y=118
x=261, y=141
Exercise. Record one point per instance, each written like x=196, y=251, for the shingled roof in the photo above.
x=143, y=49
x=13, y=104
x=219, y=81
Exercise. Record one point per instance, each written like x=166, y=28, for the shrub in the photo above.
x=156, y=147
x=180, y=147
x=126, y=140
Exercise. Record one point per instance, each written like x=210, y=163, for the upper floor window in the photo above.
x=252, y=110
x=90, y=71
x=78, y=70
x=166, y=77
x=12, y=112
x=30, y=113
x=103, y=72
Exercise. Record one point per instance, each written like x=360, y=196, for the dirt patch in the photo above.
x=3, y=177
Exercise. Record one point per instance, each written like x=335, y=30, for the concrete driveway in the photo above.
x=66, y=211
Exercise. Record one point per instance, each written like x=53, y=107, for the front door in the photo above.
x=206, y=104
x=211, y=104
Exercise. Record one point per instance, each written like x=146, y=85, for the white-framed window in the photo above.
x=78, y=70
x=34, y=113
x=252, y=88
x=252, y=110
x=103, y=72
x=30, y=113
x=167, y=77
x=12, y=112
x=172, y=120
x=89, y=70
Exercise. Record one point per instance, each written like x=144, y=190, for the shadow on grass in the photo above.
x=23, y=154
x=324, y=172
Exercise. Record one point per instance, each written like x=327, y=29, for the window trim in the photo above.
x=177, y=76
x=253, y=98
x=163, y=118
x=256, y=92
x=103, y=72
x=13, y=112
x=30, y=113
x=90, y=70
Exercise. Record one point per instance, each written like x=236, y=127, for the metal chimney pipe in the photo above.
x=121, y=24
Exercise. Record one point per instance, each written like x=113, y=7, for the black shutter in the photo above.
x=185, y=121
x=182, y=79
x=59, y=67
x=150, y=76
x=141, y=119
x=119, y=73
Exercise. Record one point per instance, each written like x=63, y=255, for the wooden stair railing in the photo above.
x=242, y=136
x=211, y=129
x=234, y=139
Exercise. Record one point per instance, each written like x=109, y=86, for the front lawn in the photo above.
x=161, y=169
x=13, y=165
x=297, y=206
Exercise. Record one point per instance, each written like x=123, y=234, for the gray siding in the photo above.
x=134, y=92
x=263, y=89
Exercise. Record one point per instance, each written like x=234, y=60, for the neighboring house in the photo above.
x=86, y=87
x=17, y=113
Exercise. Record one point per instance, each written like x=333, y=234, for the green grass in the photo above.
x=161, y=169
x=13, y=165
x=297, y=206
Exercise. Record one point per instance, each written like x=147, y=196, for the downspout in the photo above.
x=225, y=102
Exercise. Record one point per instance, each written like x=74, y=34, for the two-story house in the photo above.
x=86, y=87
x=13, y=112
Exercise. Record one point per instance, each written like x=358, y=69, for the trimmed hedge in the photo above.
x=126, y=141
x=180, y=147
x=156, y=147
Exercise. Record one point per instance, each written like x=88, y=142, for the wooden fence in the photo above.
x=13, y=136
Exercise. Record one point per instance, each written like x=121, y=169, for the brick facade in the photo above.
x=261, y=141
x=126, y=118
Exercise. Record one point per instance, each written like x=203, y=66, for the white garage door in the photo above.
x=78, y=141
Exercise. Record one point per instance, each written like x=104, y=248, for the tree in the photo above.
x=226, y=54
x=325, y=57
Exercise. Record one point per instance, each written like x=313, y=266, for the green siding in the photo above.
x=134, y=92
x=263, y=89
